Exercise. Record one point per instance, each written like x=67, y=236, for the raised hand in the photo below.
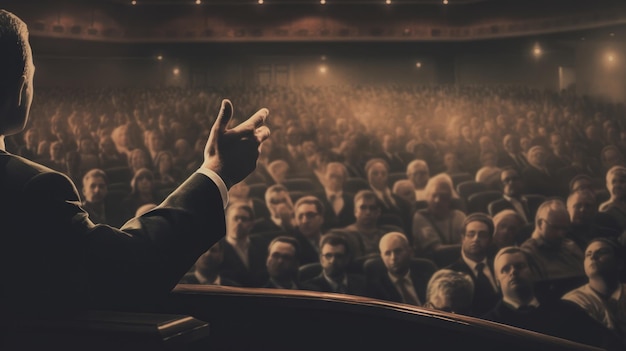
x=233, y=152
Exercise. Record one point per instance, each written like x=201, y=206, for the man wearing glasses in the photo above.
x=309, y=217
x=335, y=257
x=513, y=197
x=556, y=255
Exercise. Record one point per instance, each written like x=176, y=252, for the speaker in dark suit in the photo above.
x=55, y=258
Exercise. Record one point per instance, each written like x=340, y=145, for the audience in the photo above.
x=572, y=150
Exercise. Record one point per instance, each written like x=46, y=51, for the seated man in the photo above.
x=475, y=247
x=95, y=192
x=365, y=233
x=604, y=297
x=207, y=268
x=520, y=307
x=244, y=258
x=399, y=282
x=282, y=263
x=309, y=220
x=450, y=291
x=583, y=212
x=513, y=190
x=280, y=207
x=338, y=204
x=556, y=256
x=335, y=258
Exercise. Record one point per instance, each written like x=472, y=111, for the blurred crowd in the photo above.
x=479, y=200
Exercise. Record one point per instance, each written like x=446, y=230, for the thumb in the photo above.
x=224, y=116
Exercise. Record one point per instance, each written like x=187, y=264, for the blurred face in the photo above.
x=139, y=160
x=396, y=254
x=334, y=260
x=95, y=189
x=512, y=183
x=377, y=176
x=600, y=260
x=439, y=200
x=581, y=208
x=556, y=143
x=165, y=163
x=617, y=185
x=506, y=231
x=240, y=190
x=612, y=158
x=156, y=142
x=144, y=185
x=277, y=200
x=366, y=211
x=419, y=176
x=335, y=177
x=450, y=161
x=476, y=240
x=554, y=227
x=308, y=219
x=238, y=223
x=537, y=157
x=513, y=274
x=56, y=151
x=281, y=261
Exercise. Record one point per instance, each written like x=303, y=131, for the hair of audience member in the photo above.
x=504, y=214
x=310, y=200
x=446, y=282
x=614, y=244
x=335, y=239
x=512, y=250
x=480, y=217
x=434, y=181
x=370, y=163
x=577, y=178
x=365, y=195
x=95, y=173
x=276, y=188
x=288, y=240
x=235, y=205
x=548, y=206
x=142, y=172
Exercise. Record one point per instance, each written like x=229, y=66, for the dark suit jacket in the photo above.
x=345, y=216
x=54, y=257
x=557, y=318
x=382, y=287
x=234, y=269
x=356, y=285
x=485, y=297
x=307, y=252
x=532, y=203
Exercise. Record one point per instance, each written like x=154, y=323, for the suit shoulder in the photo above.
x=22, y=174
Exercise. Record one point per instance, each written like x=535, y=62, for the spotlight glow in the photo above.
x=323, y=69
x=260, y=2
x=445, y=2
x=160, y=57
x=176, y=71
x=198, y=2
x=134, y=2
x=387, y=2
x=418, y=64
x=323, y=2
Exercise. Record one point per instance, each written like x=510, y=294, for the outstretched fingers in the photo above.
x=224, y=116
x=248, y=128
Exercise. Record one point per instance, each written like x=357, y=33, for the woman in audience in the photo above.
x=143, y=191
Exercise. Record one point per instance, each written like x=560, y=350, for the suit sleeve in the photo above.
x=139, y=263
